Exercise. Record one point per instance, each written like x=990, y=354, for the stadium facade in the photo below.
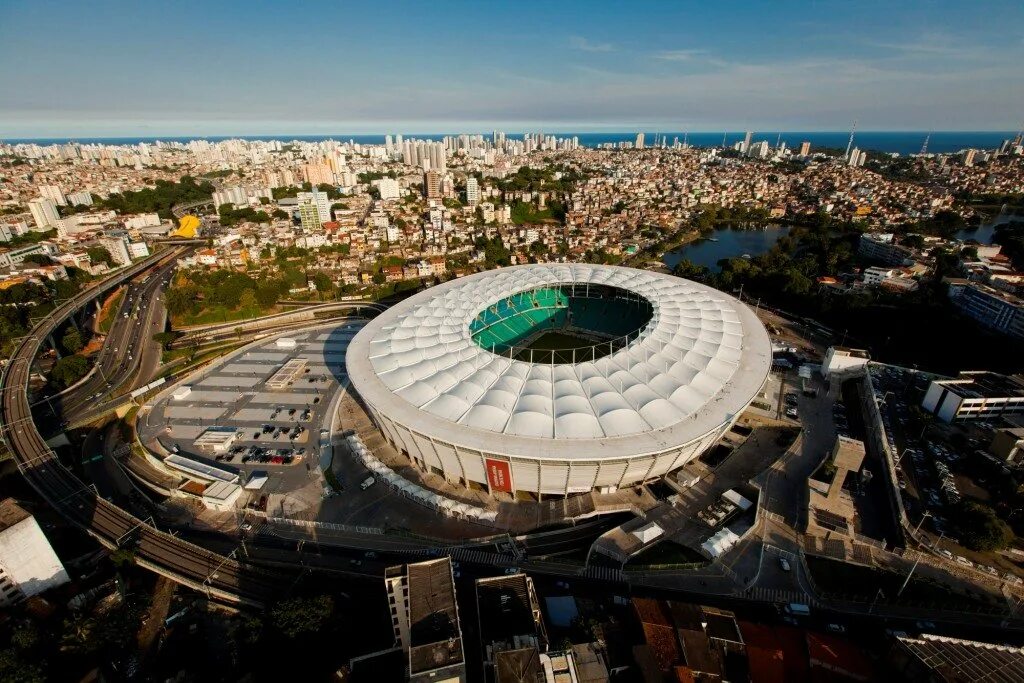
x=559, y=379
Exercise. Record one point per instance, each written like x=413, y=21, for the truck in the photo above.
x=797, y=609
x=808, y=388
x=367, y=483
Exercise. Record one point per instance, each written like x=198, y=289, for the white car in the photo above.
x=784, y=563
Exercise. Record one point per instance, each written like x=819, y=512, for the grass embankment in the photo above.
x=108, y=313
x=222, y=314
x=858, y=583
x=198, y=360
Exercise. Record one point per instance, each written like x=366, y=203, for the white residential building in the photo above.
x=388, y=188
x=28, y=565
x=80, y=199
x=44, y=213
x=117, y=245
x=53, y=193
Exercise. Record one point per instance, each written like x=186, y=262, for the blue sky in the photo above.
x=205, y=68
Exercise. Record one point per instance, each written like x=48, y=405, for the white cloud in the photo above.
x=581, y=43
x=679, y=55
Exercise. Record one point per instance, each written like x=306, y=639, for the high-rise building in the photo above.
x=236, y=196
x=117, y=246
x=388, y=188
x=44, y=213
x=53, y=192
x=432, y=184
x=80, y=198
x=967, y=156
x=320, y=201
x=318, y=174
x=309, y=216
x=472, y=191
x=759, y=149
x=805, y=148
x=639, y=141
x=746, y=141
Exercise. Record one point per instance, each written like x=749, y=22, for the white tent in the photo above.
x=719, y=543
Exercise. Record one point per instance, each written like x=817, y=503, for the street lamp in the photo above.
x=927, y=514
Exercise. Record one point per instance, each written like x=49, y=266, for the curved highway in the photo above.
x=196, y=567
x=128, y=349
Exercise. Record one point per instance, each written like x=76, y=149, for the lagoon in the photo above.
x=725, y=243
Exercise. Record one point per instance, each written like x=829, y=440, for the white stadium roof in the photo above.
x=700, y=360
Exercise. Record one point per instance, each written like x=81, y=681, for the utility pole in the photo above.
x=873, y=602
x=911, y=572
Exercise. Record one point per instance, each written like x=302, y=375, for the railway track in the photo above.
x=218, y=576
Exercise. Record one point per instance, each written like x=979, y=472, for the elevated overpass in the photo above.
x=298, y=315
x=216, y=575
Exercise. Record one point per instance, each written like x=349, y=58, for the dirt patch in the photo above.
x=102, y=324
x=163, y=591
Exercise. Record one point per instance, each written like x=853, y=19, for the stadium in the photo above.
x=551, y=379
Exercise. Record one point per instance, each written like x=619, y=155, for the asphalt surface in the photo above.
x=129, y=355
x=115, y=528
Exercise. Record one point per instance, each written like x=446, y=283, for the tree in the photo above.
x=298, y=616
x=267, y=293
x=39, y=259
x=165, y=339
x=72, y=340
x=100, y=255
x=379, y=278
x=247, y=301
x=979, y=528
x=69, y=370
x=324, y=285
x=279, y=214
x=688, y=269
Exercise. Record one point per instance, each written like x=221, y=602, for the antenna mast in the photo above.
x=849, y=144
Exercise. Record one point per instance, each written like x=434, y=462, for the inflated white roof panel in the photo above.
x=700, y=359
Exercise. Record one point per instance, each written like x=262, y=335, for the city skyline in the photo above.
x=235, y=70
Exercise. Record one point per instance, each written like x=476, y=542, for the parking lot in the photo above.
x=259, y=409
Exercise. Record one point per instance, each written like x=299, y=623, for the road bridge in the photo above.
x=218, y=576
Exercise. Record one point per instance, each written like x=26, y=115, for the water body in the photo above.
x=901, y=142
x=726, y=243
x=983, y=234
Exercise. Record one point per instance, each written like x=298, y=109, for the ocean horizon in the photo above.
x=901, y=142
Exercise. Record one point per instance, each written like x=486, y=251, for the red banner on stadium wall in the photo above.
x=499, y=475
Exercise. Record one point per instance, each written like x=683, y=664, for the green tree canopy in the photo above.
x=299, y=616
x=69, y=370
x=979, y=528
x=72, y=340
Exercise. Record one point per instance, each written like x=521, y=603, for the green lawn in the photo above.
x=222, y=314
x=199, y=359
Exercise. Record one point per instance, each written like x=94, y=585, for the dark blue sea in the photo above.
x=902, y=142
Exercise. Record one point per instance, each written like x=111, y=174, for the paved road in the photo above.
x=129, y=356
x=161, y=552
